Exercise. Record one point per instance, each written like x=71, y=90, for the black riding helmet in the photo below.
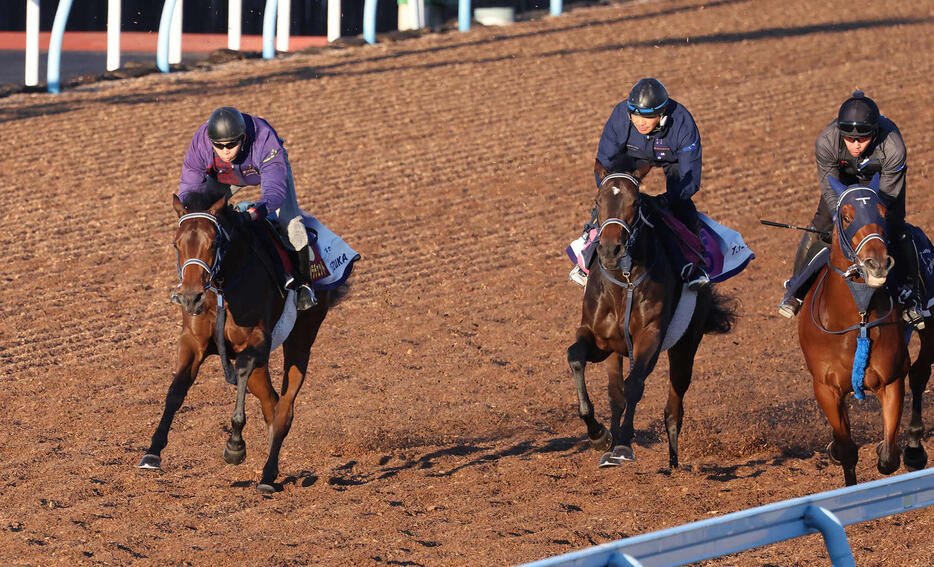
x=648, y=98
x=858, y=116
x=226, y=124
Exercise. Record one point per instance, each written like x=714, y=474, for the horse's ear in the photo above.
x=874, y=183
x=835, y=184
x=641, y=172
x=599, y=171
x=177, y=205
x=219, y=204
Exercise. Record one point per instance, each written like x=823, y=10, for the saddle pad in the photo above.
x=725, y=253
x=335, y=256
x=925, y=262
x=681, y=318
x=285, y=323
x=724, y=250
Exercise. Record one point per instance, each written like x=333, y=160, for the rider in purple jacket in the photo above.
x=233, y=149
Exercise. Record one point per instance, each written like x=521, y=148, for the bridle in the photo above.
x=846, y=235
x=625, y=263
x=221, y=240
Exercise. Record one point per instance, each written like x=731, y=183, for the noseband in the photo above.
x=221, y=239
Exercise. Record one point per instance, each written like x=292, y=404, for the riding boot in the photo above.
x=795, y=288
x=694, y=274
x=306, y=296
x=910, y=295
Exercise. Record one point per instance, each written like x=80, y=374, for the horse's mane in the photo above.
x=201, y=201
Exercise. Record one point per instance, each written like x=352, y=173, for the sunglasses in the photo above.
x=227, y=145
x=647, y=112
x=857, y=130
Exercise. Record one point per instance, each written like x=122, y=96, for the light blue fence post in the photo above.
x=269, y=29
x=162, y=46
x=369, y=21
x=556, y=6
x=55, y=46
x=463, y=15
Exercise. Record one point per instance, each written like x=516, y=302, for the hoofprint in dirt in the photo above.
x=437, y=425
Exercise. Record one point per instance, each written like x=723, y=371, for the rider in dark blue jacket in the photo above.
x=649, y=128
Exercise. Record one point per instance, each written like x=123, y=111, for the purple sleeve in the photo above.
x=273, y=171
x=195, y=166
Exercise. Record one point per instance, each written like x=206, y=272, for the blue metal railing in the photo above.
x=826, y=512
x=463, y=16
x=168, y=9
x=53, y=75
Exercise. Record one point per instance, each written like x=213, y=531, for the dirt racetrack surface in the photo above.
x=438, y=424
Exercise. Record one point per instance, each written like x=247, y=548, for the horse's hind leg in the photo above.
x=579, y=354
x=296, y=353
x=190, y=356
x=681, y=368
x=892, y=397
x=919, y=374
x=842, y=450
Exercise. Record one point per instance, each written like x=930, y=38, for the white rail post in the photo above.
x=113, y=35
x=32, y=43
x=234, y=24
x=175, y=35
x=283, y=17
x=334, y=20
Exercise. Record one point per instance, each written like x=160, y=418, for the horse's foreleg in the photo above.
x=842, y=450
x=235, y=451
x=190, y=356
x=919, y=374
x=681, y=368
x=646, y=356
x=892, y=397
x=579, y=354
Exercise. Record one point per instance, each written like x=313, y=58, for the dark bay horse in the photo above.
x=628, y=306
x=853, y=336
x=218, y=252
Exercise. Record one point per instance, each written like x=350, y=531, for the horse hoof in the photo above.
x=234, y=455
x=915, y=458
x=890, y=465
x=266, y=488
x=619, y=455
x=603, y=441
x=152, y=462
x=833, y=458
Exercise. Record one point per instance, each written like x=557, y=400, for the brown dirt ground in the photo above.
x=438, y=424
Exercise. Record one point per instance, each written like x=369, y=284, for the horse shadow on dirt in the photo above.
x=352, y=474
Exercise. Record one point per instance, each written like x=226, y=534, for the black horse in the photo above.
x=219, y=252
x=628, y=307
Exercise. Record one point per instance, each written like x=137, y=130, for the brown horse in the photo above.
x=218, y=252
x=853, y=336
x=628, y=306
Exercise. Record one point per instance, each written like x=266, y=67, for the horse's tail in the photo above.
x=722, y=314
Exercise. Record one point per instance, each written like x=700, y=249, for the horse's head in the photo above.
x=860, y=231
x=200, y=241
x=620, y=217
